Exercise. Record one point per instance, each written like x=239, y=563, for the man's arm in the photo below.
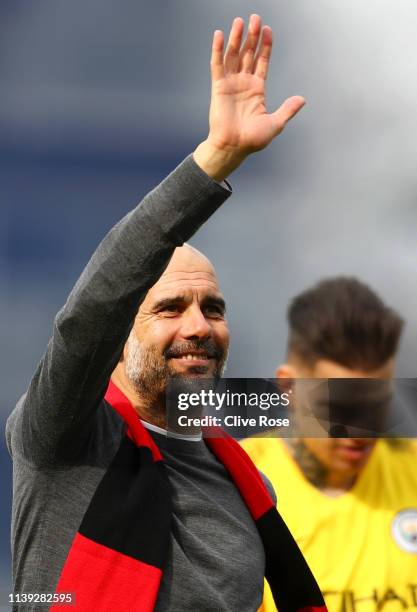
x=90, y=330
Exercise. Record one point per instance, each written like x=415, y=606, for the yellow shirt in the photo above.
x=362, y=545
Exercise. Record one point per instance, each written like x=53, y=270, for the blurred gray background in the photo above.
x=100, y=99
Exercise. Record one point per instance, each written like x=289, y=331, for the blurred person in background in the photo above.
x=351, y=503
x=105, y=506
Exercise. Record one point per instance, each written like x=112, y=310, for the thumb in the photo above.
x=287, y=111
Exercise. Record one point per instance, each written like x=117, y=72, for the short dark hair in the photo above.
x=341, y=319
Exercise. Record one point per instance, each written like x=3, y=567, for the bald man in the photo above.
x=67, y=435
x=180, y=330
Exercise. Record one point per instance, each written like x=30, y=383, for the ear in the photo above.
x=285, y=370
x=285, y=374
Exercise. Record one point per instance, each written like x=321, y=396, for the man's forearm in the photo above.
x=216, y=163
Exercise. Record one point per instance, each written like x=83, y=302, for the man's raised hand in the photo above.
x=239, y=121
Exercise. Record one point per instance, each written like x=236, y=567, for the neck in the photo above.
x=330, y=483
x=151, y=411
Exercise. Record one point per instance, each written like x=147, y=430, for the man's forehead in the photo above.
x=184, y=277
x=188, y=271
x=182, y=283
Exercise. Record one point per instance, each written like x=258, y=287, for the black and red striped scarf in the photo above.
x=117, y=557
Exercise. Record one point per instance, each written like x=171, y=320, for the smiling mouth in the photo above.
x=193, y=357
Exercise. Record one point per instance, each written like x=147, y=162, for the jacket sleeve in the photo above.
x=89, y=333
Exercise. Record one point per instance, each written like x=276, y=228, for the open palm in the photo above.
x=238, y=118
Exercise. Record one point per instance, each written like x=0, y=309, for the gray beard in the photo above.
x=149, y=373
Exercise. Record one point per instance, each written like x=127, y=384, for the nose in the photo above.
x=195, y=324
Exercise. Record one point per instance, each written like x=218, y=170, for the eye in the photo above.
x=169, y=310
x=213, y=311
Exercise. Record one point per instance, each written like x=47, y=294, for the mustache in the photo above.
x=208, y=346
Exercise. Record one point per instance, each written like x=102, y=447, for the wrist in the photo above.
x=217, y=162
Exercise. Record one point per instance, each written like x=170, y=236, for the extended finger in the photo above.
x=287, y=111
x=231, y=59
x=263, y=56
x=216, y=62
x=247, y=54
